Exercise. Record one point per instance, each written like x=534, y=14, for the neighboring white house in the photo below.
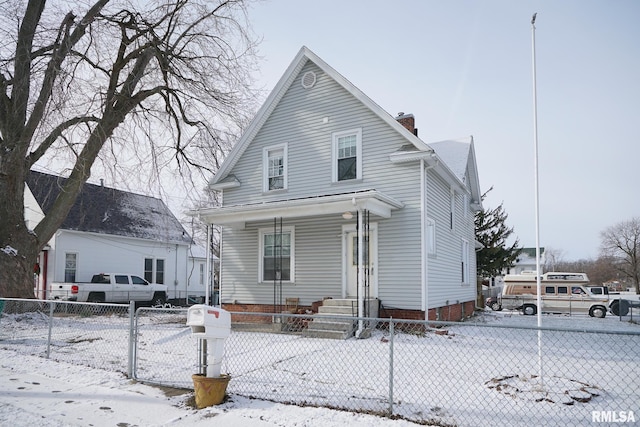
x=321, y=171
x=526, y=261
x=197, y=273
x=109, y=230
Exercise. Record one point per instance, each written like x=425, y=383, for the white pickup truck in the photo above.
x=111, y=287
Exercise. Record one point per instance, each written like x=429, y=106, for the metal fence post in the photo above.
x=132, y=338
x=51, y=309
x=391, y=366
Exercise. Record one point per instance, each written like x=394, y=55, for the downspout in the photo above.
x=208, y=267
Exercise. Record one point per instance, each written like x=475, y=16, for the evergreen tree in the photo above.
x=492, y=232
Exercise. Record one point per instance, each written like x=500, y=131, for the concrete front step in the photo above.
x=330, y=325
x=338, y=310
x=333, y=326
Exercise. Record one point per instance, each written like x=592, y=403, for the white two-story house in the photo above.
x=326, y=195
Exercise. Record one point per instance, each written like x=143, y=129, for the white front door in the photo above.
x=350, y=246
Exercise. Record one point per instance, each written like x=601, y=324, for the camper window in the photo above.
x=550, y=290
x=577, y=290
x=563, y=290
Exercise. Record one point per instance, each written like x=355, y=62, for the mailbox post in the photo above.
x=212, y=325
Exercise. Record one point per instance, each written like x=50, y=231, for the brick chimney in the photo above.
x=408, y=121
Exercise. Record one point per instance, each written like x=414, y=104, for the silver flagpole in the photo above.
x=537, y=200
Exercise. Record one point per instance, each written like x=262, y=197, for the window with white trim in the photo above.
x=431, y=236
x=277, y=255
x=274, y=165
x=154, y=268
x=201, y=280
x=464, y=262
x=347, y=155
x=70, y=267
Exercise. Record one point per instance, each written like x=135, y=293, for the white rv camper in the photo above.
x=559, y=293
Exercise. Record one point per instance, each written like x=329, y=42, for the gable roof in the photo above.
x=460, y=157
x=303, y=56
x=105, y=210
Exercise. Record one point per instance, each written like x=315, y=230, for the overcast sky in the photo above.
x=465, y=68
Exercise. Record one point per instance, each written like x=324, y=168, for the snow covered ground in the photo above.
x=34, y=390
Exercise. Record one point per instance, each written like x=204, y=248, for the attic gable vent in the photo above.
x=308, y=80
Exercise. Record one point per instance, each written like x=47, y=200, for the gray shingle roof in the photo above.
x=105, y=210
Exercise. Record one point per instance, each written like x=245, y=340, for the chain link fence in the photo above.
x=496, y=368
x=95, y=335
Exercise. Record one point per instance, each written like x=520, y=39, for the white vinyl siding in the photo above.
x=318, y=262
x=311, y=120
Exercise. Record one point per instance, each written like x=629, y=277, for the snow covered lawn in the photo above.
x=481, y=373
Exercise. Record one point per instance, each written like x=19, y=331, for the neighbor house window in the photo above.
x=154, y=268
x=275, y=168
x=347, y=155
x=148, y=270
x=465, y=262
x=160, y=271
x=431, y=236
x=201, y=274
x=277, y=255
x=70, y=267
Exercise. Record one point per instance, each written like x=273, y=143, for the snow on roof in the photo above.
x=105, y=210
x=455, y=153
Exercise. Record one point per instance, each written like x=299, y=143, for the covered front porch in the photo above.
x=311, y=248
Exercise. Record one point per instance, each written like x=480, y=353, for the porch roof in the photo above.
x=371, y=200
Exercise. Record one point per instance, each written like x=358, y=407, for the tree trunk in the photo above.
x=18, y=246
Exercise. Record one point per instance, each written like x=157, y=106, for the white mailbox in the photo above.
x=213, y=325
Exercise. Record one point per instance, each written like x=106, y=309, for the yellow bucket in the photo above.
x=209, y=390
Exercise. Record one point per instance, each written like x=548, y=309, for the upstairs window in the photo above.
x=347, y=155
x=274, y=161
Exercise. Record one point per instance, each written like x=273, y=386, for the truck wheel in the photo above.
x=95, y=297
x=159, y=298
x=495, y=306
x=620, y=307
x=529, y=310
x=598, y=311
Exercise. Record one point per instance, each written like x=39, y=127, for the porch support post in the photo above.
x=208, y=266
x=360, y=273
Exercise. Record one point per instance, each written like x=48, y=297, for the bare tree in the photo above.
x=553, y=258
x=135, y=87
x=621, y=242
